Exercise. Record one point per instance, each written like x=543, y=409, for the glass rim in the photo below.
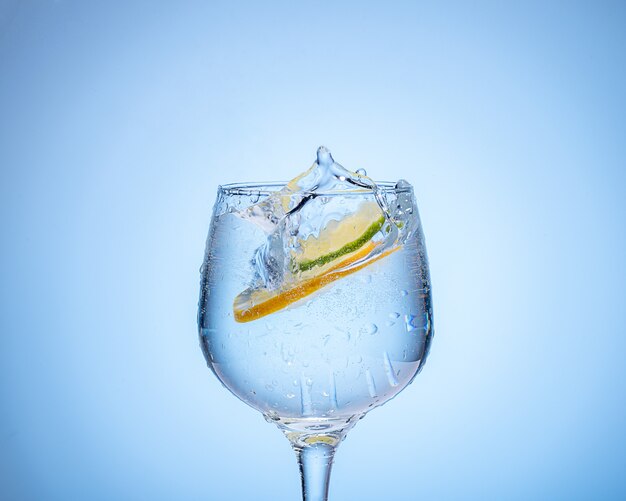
x=270, y=187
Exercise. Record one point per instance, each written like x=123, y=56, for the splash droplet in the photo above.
x=324, y=157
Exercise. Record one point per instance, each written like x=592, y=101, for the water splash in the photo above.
x=307, y=205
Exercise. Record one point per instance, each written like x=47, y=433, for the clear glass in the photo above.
x=319, y=365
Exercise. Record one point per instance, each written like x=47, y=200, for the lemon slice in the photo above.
x=341, y=237
x=335, y=254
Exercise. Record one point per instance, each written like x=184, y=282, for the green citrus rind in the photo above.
x=374, y=228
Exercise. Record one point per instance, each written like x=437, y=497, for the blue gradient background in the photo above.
x=119, y=119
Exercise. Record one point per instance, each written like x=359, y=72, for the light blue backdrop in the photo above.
x=119, y=119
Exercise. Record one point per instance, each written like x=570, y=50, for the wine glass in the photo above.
x=319, y=360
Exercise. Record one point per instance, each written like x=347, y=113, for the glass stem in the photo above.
x=315, y=462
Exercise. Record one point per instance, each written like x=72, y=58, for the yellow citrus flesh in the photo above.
x=340, y=237
x=252, y=304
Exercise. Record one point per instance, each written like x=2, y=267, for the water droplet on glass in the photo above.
x=290, y=395
x=371, y=384
x=361, y=172
x=391, y=375
x=370, y=329
x=404, y=292
x=392, y=318
x=306, y=403
x=410, y=323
